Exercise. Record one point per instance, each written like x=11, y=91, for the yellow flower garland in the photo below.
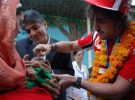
x=120, y=53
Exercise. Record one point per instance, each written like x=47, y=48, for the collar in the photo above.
x=77, y=67
x=48, y=39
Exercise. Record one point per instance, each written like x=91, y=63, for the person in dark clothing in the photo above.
x=35, y=25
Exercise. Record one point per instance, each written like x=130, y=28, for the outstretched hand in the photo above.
x=42, y=49
x=65, y=80
x=53, y=88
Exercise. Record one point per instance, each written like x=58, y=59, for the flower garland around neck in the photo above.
x=120, y=53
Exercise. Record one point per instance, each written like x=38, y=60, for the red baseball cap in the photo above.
x=122, y=6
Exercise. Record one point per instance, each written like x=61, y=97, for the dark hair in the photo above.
x=75, y=52
x=19, y=11
x=115, y=16
x=32, y=16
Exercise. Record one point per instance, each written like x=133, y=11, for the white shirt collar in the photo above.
x=77, y=67
x=48, y=39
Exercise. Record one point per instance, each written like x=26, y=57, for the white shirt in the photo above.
x=84, y=74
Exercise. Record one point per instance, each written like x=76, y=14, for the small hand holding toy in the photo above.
x=42, y=73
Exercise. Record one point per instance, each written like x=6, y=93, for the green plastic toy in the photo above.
x=42, y=75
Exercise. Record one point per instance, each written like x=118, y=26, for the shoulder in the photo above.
x=74, y=64
x=24, y=40
x=23, y=43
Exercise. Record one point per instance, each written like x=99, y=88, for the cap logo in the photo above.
x=117, y=4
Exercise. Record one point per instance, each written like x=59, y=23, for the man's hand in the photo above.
x=26, y=60
x=65, y=80
x=42, y=49
x=54, y=88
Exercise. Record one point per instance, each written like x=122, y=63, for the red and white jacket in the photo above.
x=90, y=41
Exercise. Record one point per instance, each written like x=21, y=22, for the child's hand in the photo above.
x=31, y=73
x=53, y=88
x=38, y=62
x=27, y=61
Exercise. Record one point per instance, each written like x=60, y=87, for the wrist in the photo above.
x=53, y=47
x=77, y=82
x=74, y=79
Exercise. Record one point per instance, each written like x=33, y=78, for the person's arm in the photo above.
x=108, y=90
x=63, y=46
x=66, y=46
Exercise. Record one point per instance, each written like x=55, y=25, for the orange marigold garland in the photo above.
x=119, y=54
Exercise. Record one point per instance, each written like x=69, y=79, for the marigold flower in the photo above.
x=119, y=54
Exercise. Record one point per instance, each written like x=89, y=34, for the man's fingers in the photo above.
x=47, y=66
x=54, y=83
x=39, y=49
x=58, y=77
x=47, y=62
x=26, y=57
x=41, y=53
x=51, y=89
x=28, y=63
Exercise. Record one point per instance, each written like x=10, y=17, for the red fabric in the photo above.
x=86, y=41
x=27, y=94
x=12, y=77
x=7, y=30
x=12, y=69
x=128, y=70
x=112, y=4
